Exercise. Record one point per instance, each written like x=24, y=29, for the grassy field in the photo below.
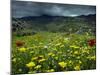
x=53, y=52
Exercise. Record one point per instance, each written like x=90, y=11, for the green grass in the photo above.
x=53, y=52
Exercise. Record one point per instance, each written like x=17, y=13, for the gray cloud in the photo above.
x=22, y=8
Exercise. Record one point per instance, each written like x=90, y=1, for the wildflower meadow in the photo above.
x=52, y=37
x=53, y=52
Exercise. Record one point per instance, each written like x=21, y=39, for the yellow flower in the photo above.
x=85, y=51
x=75, y=47
x=41, y=56
x=56, y=58
x=80, y=62
x=30, y=64
x=62, y=64
x=37, y=67
x=70, y=62
x=22, y=49
x=76, y=52
x=41, y=60
x=51, y=70
x=14, y=60
x=77, y=68
x=93, y=58
x=51, y=54
x=34, y=58
x=31, y=52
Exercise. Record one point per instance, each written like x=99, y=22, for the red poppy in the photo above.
x=19, y=43
x=91, y=42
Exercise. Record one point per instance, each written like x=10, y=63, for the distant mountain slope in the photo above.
x=55, y=23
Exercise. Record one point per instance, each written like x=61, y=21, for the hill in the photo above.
x=78, y=24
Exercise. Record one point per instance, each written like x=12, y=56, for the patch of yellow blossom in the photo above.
x=41, y=60
x=30, y=64
x=38, y=67
x=22, y=49
x=77, y=67
x=62, y=64
x=75, y=47
x=51, y=54
x=51, y=70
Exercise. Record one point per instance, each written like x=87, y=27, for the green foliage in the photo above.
x=52, y=52
x=52, y=44
x=55, y=24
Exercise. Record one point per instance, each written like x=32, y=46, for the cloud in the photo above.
x=22, y=8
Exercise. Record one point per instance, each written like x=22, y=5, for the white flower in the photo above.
x=45, y=46
x=66, y=39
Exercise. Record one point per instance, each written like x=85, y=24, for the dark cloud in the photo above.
x=22, y=8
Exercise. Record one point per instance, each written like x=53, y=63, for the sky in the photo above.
x=23, y=9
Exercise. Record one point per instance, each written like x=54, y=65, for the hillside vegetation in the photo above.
x=53, y=43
